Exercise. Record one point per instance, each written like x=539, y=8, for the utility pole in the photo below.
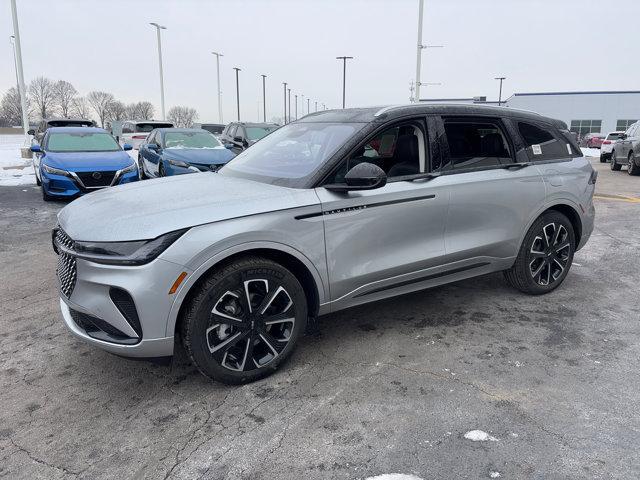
x=285, y=103
x=237, y=91
x=18, y=56
x=264, y=100
x=419, y=51
x=158, y=28
x=500, y=94
x=308, y=111
x=15, y=61
x=289, y=94
x=316, y=106
x=218, y=55
x=296, y=106
x=302, y=105
x=344, y=75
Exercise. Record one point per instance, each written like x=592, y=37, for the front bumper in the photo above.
x=68, y=187
x=91, y=297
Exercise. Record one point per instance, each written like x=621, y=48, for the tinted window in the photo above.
x=542, y=144
x=475, y=144
x=190, y=140
x=147, y=127
x=81, y=142
x=126, y=128
x=613, y=136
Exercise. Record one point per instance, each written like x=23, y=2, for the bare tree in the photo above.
x=42, y=96
x=10, y=108
x=100, y=102
x=139, y=111
x=182, y=116
x=64, y=93
x=116, y=110
x=80, y=108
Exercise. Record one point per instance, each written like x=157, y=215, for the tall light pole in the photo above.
x=264, y=99
x=289, y=95
x=15, y=60
x=237, y=91
x=344, y=76
x=419, y=51
x=158, y=28
x=308, y=111
x=316, y=106
x=296, y=106
x=285, y=103
x=218, y=55
x=302, y=105
x=500, y=94
x=18, y=56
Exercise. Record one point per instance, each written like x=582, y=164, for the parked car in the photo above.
x=241, y=135
x=72, y=161
x=337, y=209
x=607, y=145
x=175, y=151
x=135, y=132
x=592, y=140
x=626, y=150
x=215, y=128
x=42, y=127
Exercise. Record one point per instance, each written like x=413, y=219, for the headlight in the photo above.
x=178, y=163
x=126, y=253
x=54, y=171
x=131, y=168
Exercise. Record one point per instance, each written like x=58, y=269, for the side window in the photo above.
x=399, y=151
x=153, y=138
x=240, y=132
x=232, y=131
x=542, y=144
x=475, y=144
x=126, y=128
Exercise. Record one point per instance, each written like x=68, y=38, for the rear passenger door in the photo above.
x=493, y=190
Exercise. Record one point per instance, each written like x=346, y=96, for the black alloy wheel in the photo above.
x=632, y=168
x=245, y=320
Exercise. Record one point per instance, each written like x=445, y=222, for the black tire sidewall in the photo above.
x=198, y=320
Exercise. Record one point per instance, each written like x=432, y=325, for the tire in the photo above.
x=603, y=159
x=245, y=348
x=38, y=182
x=45, y=196
x=141, y=174
x=615, y=166
x=160, y=170
x=545, y=255
x=632, y=168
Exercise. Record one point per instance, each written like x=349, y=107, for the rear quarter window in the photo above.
x=543, y=143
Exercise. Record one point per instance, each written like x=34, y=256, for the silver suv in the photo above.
x=337, y=209
x=626, y=150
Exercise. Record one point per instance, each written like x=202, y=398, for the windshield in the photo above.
x=82, y=142
x=256, y=133
x=190, y=140
x=292, y=153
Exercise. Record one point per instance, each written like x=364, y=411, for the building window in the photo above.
x=582, y=127
x=622, y=125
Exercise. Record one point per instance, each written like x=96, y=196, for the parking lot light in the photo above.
x=500, y=93
x=264, y=100
x=158, y=28
x=344, y=76
x=237, y=90
x=18, y=54
x=289, y=111
x=218, y=55
x=284, y=122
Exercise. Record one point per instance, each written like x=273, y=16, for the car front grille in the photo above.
x=96, y=179
x=63, y=239
x=66, y=272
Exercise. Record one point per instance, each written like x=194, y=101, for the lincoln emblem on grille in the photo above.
x=96, y=175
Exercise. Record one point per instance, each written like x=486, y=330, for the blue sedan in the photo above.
x=175, y=151
x=72, y=161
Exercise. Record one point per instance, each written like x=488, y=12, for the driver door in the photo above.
x=379, y=241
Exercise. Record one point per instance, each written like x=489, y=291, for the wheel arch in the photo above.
x=572, y=214
x=291, y=259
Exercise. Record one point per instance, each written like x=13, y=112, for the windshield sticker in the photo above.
x=536, y=149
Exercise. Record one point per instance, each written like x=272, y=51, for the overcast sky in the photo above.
x=539, y=45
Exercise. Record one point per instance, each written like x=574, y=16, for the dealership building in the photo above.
x=583, y=112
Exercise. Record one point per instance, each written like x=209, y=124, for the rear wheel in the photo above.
x=161, y=170
x=615, y=166
x=545, y=255
x=141, y=174
x=632, y=168
x=244, y=320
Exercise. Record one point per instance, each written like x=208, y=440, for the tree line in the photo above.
x=47, y=98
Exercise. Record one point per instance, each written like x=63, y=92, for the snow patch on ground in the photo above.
x=590, y=152
x=394, y=476
x=14, y=170
x=479, y=436
x=494, y=474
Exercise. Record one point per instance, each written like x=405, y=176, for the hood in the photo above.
x=145, y=210
x=88, y=161
x=201, y=156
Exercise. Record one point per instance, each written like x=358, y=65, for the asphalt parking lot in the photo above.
x=391, y=387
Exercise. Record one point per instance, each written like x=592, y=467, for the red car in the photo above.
x=594, y=140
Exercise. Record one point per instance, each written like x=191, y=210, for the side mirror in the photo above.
x=127, y=146
x=153, y=146
x=36, y=148
x=237, y=139
x=364, y=176
x=31, y=132
x=229, y=145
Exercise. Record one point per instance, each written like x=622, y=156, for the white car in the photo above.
x=607, y=145
x=135, y=132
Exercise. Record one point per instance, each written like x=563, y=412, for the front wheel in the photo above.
x=632, y=168
x=45, y=196
x=38, y=182
x=244, y=320
x=545, y=256
x=615, y=166
x=141, y=174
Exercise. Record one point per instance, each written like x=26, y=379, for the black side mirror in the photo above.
x=31, y=132
x=237, y=139
x=364, y=176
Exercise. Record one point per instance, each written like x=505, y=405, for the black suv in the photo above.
x=243, y=134
x=39, y=132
